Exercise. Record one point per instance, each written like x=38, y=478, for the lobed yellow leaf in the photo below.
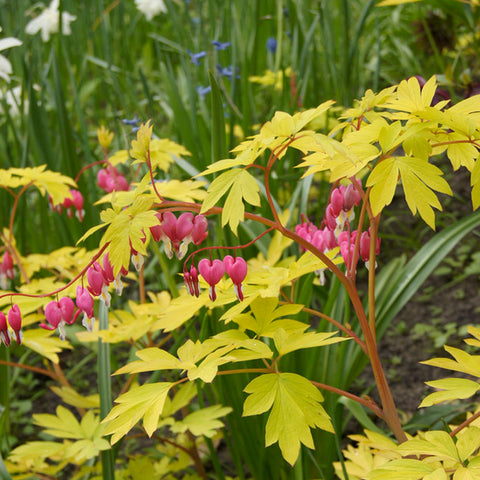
x=180, y=310
x=57, y=185
x=296, y=408
x=72, y=397
x=151, y=359
x=182, y=398
x=464, y=362
x=118, y=157
x=475, y=182
x=202, y=422
x=225, y=164
x=44, y=342
x=141, y=146
x=163, y=153
x=145, y=401
x=402, y=469
x=242, y=186
x=123, y=326
x=468, y=442
x=438, y=444
x=129, y=228
x=419, y=179
x=33, y=452
x=63, y=424
x=287, y=342
x=452, y=389
x=411, y=98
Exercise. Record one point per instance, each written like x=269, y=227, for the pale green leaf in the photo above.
x=383, y=179
x=452, y=389
x=401, y=469
x=438, y=444
x=287, y=342
x=151, y=359
x=205, y=421
x=145, y=401
x=468, y=441
x=296, y=408
x=72, y=397
x=44, y=343
x=438, y=474
x=244, y=188
x=464, y=362
x=62, y=425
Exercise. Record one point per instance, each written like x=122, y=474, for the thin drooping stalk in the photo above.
x=105, y=389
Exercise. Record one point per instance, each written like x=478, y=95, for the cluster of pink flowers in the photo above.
x=212, y=272
x=347, y=240
x=100, y=277
x=323, y=239
x=6, y=270
x=177, y=233
x=338, y=216
x=71, y=204
x=15, y=322
x=110, y=179
x=60, y=313
x=340, y=210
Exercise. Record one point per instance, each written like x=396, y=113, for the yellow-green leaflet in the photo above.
x=295, y=409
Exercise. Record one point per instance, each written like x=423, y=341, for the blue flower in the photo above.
x=133, y=122
x=202, y=91
x=271, y=44
x=219, y=45
x=195, y=57
x=226, y=71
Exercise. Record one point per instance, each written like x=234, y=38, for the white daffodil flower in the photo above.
x=5, y=65
x=49, y=20
x=151, y=8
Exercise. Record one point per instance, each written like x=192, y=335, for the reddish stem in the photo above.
x=90, y=165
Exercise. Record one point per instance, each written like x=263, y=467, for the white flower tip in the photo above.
x=88, y=323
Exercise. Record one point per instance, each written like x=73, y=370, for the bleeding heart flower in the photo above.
x=85, y=304
x=156, y=230
x=111, y=179
x=237, y=270
x=6, y=270
x=15, y=321
x=67, y=307
x=365, y=247
x=97, y=283
x=352, y=195
x=4, y=333
x=77, y=202
x=175, y=233
x=58, y=314
x=212, y=272
x=199, y=231
x=108, y=274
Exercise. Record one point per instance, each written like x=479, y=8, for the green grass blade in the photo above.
x=218, y=121
x=105, y=389
x=4, y=399
x=4, y=475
